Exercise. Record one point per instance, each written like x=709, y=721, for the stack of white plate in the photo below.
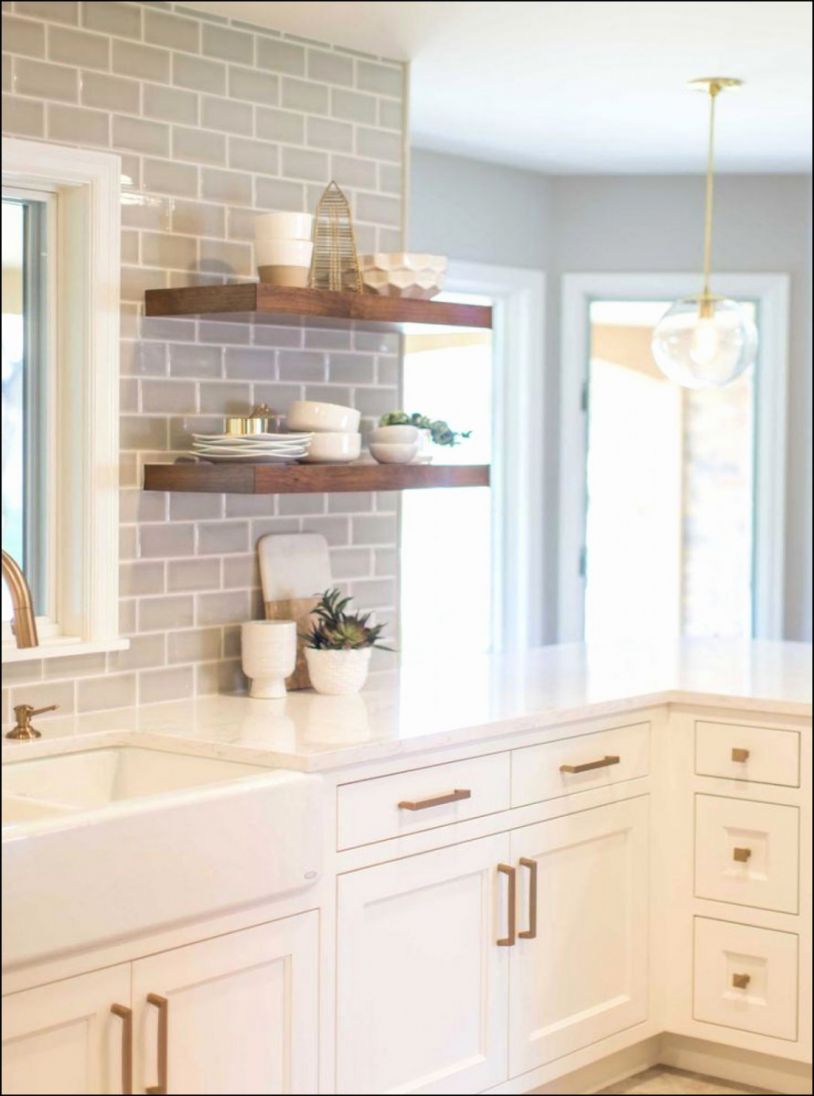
x=254, y=448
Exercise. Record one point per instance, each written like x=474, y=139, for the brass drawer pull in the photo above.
x=435, y=801
x=739, y=754
x=531, y=932
x=511, y=913
x=741, y=981
x=741, y=855
x=162, y=1056
x=126, y=1016
x=603, y=763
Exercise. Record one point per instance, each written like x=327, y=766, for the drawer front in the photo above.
x=738, y=752
x=747, y=852
x=390, y=806
x=578, y=763
x=746, y=978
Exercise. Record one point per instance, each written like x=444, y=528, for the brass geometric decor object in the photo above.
x=334, y=262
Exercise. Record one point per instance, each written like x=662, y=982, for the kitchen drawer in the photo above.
x=605, y=757
x=739, y=752
x=745, y=978
x=391, y=806
x=746, y=852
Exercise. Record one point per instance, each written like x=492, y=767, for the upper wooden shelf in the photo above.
x=285, y=479
x=255, y=302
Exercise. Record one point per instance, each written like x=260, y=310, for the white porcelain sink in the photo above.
x=117, y=840
x=47, y=786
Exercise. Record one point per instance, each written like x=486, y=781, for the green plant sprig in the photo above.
x=440, y=431
x=337, y=630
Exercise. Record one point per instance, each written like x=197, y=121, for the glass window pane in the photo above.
x=669, y=490
x=446, y=534
x=24, y=384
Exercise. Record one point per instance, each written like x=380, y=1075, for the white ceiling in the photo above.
x=584, y=87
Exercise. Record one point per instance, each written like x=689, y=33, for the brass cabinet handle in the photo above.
x=126, y=1016
x=741, y=981
x=739, y=754
x=741, y=855
x=603, y=763
x=511, y=913
x=435, y=801
x=531, y=932
x=163, y=1006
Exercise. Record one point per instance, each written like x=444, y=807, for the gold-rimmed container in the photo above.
x=260, y=420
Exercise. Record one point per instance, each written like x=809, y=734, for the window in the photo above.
x=27, y=388
x=671, y=501
x=446, y=534
x=670, y=489
x=61, y=231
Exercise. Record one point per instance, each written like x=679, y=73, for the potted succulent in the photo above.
x=338, y=646
x=433, y=431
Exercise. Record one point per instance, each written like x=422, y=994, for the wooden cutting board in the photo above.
x=295, y=570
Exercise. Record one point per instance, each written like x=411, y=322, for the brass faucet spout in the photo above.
x=25, y=625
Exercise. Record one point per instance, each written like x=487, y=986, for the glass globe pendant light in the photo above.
x=705, y=341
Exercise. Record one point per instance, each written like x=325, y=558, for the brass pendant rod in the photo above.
x=714, y=90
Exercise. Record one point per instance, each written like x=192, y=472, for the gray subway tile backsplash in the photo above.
x=213, y=120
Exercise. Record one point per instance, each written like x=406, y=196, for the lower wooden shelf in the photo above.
x=286, y=479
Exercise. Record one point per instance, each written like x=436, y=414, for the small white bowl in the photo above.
x=283, y=252
x=333, y=448
x=283, y=226
x=309, y=415
x=395, y=435
x=393, y=454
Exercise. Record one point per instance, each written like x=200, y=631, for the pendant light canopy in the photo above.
x=705, y=341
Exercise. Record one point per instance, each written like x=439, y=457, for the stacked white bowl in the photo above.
x=334, y=429
x=283, y=247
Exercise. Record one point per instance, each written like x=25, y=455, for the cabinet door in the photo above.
x=584, y=975
x=64, y=1038
x=235, y=1014
x=422, y=985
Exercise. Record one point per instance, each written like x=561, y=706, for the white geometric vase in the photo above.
x=338, y=673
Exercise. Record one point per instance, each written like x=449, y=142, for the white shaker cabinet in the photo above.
x=583, y=896
x=234, y=1014
x=422, y=983
x=73, y=1036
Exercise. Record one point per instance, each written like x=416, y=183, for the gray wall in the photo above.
x=630, y=224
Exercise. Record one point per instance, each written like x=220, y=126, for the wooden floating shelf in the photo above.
x=286, y=479
x=256, y=302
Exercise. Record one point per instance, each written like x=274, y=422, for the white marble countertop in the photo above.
x=449, y=701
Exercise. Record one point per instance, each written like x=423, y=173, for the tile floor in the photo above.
x=663, y=1079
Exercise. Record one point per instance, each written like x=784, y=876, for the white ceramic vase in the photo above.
x=338, y=673
x=269, y=655
x=425, y=448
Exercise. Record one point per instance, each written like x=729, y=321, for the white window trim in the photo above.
x=85, y=484
x=771, y=291
x=517, y=450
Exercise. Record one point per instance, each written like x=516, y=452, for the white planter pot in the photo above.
x=425, y=448
x=337, y=673
x=268, y=655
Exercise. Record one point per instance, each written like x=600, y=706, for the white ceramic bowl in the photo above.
x=333, y=447
x=395, y=435
x=308, y=415
x=283, y=226
x=403, y=273
x=283, y=252
x=393, y=454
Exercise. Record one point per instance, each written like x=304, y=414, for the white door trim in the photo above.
x=772, y=294
x=517, y=462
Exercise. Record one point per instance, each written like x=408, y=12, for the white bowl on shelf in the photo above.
x=283, y=226
x=333, y=448
x=395, y=435
x=403, y=273
x=316, y=417
x=396, y=453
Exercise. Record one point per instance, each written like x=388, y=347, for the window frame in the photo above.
x=83, y=477
x=771, y=294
